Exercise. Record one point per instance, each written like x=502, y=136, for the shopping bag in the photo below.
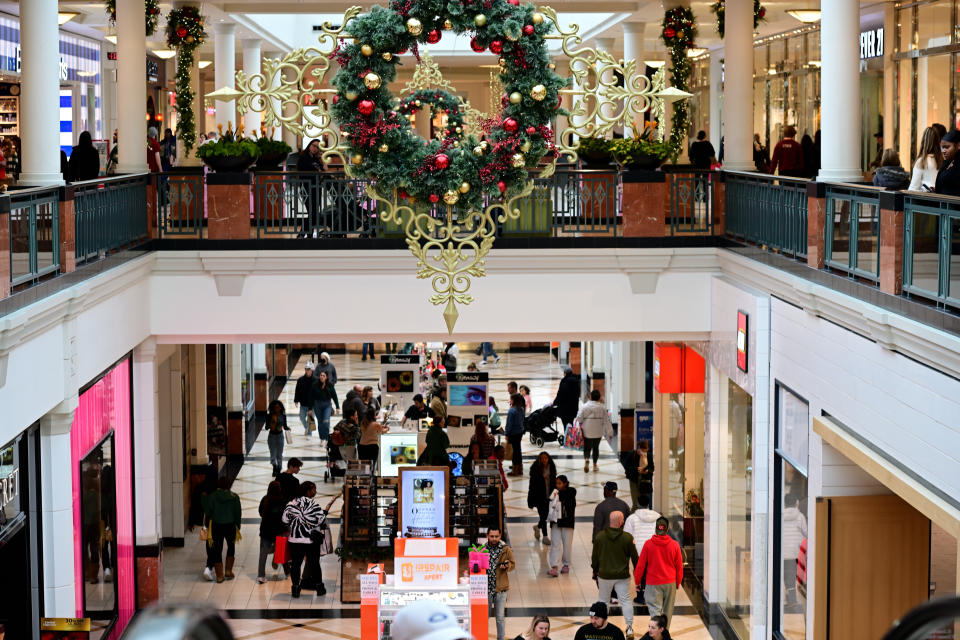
x=573, y=437
x=479, y=561
x=280, y=550
x=311, y=423
x=204, y=533
x=508, y=451
x=288, y=436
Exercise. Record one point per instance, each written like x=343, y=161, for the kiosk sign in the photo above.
x=423, y=502
x=427, y=572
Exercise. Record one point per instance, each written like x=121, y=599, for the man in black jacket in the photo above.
x=638, y=467
x=301, y=395
x=567, y=401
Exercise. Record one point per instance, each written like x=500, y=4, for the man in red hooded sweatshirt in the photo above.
x=663, y=562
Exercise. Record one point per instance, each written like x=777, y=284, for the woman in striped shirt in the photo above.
x=304, y=517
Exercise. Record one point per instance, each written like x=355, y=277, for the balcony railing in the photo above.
x=34, y=234
x=181, y=203
x=931, y=248
x=767, y=210
x=691, y=202
x=108, y=214
x=852, y=233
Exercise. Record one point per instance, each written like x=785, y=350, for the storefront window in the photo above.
x=98, y=513
x=933, y=24
x=792, y=434
x=738, y=507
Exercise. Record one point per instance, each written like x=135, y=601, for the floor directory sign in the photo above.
x=423, y=502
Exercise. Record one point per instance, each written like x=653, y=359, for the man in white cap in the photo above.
x=427, y=620
x=301, y=395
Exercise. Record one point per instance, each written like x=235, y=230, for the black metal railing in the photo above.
x=691, y=201
x=767, y=210
x=34, y=234
x=181, y=197
x=109, y=213
x=931, y=247
x=852, y=230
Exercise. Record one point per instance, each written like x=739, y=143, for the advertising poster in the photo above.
x=423, y=502
x=397, y=450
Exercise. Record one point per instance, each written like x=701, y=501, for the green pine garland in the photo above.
x=382, y=144
x=439, y=101
x=679, y=34
x=151, y=14
x=185, y=33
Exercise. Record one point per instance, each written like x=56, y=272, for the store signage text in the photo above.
x=871, y=43
x=9, y=487
x=424, y=572
x=400, y=358
x=14, y=63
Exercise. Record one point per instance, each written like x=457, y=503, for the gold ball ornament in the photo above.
x=190, y=39
x=501, y=62
x=478, y=151
x=383, y=148
x=447, y=25
x=516, y=98
x=480, y=20
x=350, y=95
x=372, y=81
x=418, y=103
x=536, y=18
x=503, y=71
x=451, y=197
x=366, y=50
x=459, y=130
x=517, y=160
x=414, y=27
x=356, y=158
x=464, y=187
x=538, y=92
x=387, y=56
x=484, y=145
x=456, y=143
x=525, y=146
x=551, y=66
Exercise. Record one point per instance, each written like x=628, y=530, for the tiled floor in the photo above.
x=267, y=610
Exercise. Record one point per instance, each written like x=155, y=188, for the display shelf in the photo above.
x=476, y=504
x=9, y=115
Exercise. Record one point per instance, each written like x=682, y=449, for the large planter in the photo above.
x=271, y=161
x=229, y=164
x=596, y=159
x=643, y=161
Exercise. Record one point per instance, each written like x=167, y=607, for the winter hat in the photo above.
x=309, y=365
x=427, y=620
x=599, y=610
x=325, y=356
x=662, y=525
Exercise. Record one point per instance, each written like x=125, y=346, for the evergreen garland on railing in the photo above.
x=151, y=14
x=679, y=34
x=185, y=33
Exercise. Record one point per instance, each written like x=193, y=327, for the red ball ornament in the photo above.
x=181, y=32
x=366, y=107
x=496, y=46
x=442, y=161
x=502, y=186
x=531, y=131
x=528, y=29
x=336, y=99
x=669, y=33
x=515, y=3
x=433, y=37
x=402, y=51
x=403, y=194
x=510, y=125
x=559, y=101
x=434, y=198
x=476, y=46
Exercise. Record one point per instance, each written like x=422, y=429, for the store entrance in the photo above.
x=871, y=119
x=15, y=605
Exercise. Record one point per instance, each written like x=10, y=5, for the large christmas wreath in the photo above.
x=382, y=144
x=440, y=101
x=151, y=14
x=759, y=14
x=679, y=35
x=185, y=33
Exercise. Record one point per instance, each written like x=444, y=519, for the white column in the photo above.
x=716, y=98
x=40, y=96
x=131, y=58
x=251, y=66
x=170, y=414
x=146, y=444
x=840, y=99
x=198, y=403
x=633, y=49
x=738, y=86
x=224, y=69
x=56, y=487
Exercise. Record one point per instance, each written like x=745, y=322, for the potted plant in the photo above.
x=595, y=152
x=643, y=151
x=230, y=153
x=272, y=152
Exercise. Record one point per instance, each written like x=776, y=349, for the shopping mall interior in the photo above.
x=270, y=272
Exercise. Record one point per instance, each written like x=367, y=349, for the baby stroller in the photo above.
x=542, y=426
x=336, y=465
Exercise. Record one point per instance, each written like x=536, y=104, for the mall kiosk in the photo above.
x=399, y=381
x=466, y=404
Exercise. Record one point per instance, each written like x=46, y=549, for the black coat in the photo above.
x=568, y=396
x=631, y=463
x=271, y=510
x=568, y=507
x=84, y=164
x=301, y=395
x=537, y=492
x=948, y=180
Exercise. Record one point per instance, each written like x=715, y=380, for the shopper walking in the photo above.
x=948, y=178
x=924, y=177
x=609, y=504
x=595, y=424
x=301, y=397
x=761, y=158
x=638, y=466
x=450, y=355
x=223, y=525
x=563, y=505
x=514, y=432
x=323, y=398
x=271, y=525
x=657, y=629
x=598, y=628
x=325, y=364
x=346, y=434
x=367, y=348
x=354, y=400
x=438, y=404
x=543, y=480
x=168, y=147
x=276, y=424
x=788, y=155
x=539, y=629
x=567, y=400
x=663, y=563
x=641, y=524
x=486, y=350
x=498, y=582
x=613, y=551
x=305, y=519
x=370, y=430
x=153, y=151
x=809, y=162
x=84, y=160
x=289, y=483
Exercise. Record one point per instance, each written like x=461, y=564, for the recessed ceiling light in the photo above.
x=805, y=15
x=111, y=38
x=164, y=54
x=66, y=16
x=203, y=64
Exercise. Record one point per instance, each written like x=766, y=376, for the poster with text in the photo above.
x=423, y=502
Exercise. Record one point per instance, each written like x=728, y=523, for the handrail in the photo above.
x=917, y=623
x=110, y=179
x=18, y=193
x=756, y=175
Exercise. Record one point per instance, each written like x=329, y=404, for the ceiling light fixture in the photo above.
x=203, y=64
x=164, y=54
x=805, y=15
x=111, y=38
x=65, y=16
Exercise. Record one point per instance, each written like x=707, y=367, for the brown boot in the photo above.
x=229, y=574
x=218, y=569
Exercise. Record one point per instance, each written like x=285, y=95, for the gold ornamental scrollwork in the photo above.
x=427, y=75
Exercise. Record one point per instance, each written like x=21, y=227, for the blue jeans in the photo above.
x=488, y=351
x=321, y=412
x=275, y=443
x=304, y=410
x=498, y=605
x=367, y=348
